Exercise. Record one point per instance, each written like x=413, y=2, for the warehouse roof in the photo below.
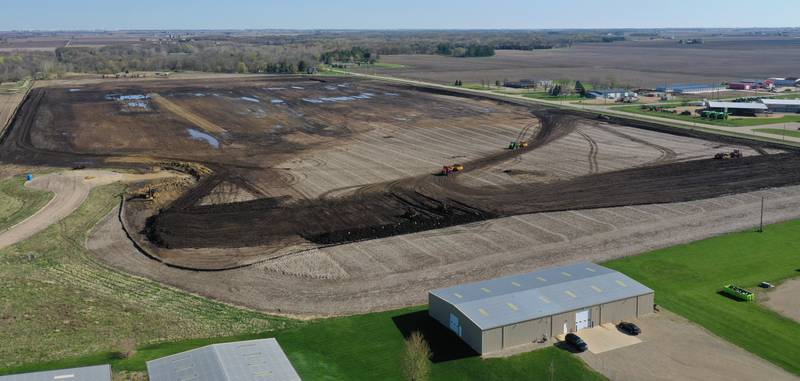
x=690, y=86
x=89, y=373
x=254, y=360
x=738, y=105
x=508, y=300
x=781, y=102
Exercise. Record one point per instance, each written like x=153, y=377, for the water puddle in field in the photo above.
x=276, y=101
x=199, y=94
x=74, y=90
x=251, y=99
x=392, y=94
x=329, y=87
x=200, y=135
x=275, y=88
x=139, y=104
x=346, y=98
x=297, y=87
x=125, y=98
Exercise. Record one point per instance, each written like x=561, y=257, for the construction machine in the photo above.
x=522, y=138
x=450, y=169
x=735, y=154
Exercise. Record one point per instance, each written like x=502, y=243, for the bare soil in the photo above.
x=636, y=63
x=323, y=188
x=784, y=299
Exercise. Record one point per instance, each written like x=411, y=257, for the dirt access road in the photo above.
x=784, y=299
x=673, y=348
x=71, y=189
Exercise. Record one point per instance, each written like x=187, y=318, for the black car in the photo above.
x=576, y=342
x=629, y=328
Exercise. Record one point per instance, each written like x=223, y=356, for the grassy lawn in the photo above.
x=686, y=280
x=744, y=122
x=383, y=65
x=362, y=347
x=18, y=203
x=779, y=131
x=57, y=302
x=544, y=95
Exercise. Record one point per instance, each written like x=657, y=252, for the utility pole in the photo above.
x=761, y=225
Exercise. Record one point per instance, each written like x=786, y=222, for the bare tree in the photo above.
x=127, y=347
x=416, y=358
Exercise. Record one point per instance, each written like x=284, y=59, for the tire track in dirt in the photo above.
x=593, y=167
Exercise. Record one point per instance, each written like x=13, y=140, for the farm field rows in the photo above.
x=630, y=63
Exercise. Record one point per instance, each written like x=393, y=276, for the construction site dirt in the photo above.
x=291, y=167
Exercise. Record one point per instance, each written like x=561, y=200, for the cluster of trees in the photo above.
x=195, y=56
x=471, y=50
x=17, y=66
x=356, y=54
x=271, y=52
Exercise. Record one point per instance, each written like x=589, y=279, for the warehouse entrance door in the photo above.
x=582, y=320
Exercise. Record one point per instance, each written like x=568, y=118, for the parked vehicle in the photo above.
x=576, y=342
x=629, y=328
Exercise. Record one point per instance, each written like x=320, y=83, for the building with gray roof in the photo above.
x=254, y=360
x=782, y=105
x=737, y=108
x=89, y=373
x=505, y=312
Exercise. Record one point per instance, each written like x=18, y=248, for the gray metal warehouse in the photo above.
x=89, y=373
x=253, y=360
x=506, y=312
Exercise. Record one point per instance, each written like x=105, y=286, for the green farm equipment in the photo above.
x=738, y=293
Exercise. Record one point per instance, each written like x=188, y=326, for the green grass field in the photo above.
x=362, y=347
x=57, y=302
x=686, y=280
x=743, y=122
x=383, y=65
x=780, y=132
x=18, y=203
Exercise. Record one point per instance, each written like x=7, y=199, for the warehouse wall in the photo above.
x=557, y=324
x=525, y=332
x=440, y=311
x=645, y=304
x=492, y=340
x=613, y=312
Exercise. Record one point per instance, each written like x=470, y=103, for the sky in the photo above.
x=396, y=14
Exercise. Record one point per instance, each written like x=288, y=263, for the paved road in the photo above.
x=71, y=188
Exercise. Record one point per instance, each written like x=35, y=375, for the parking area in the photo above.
x=672, y=348
x=606, y=338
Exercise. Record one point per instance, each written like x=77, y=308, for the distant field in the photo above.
x=687, y=280
x=634, y=63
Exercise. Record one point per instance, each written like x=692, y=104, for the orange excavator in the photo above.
x=450, y=169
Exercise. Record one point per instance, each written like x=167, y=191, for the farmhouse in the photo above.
x=89, y=373
x=690, y=88
x=782, y=105
x=736, y=108
x=254, y=360
x=501, y=313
